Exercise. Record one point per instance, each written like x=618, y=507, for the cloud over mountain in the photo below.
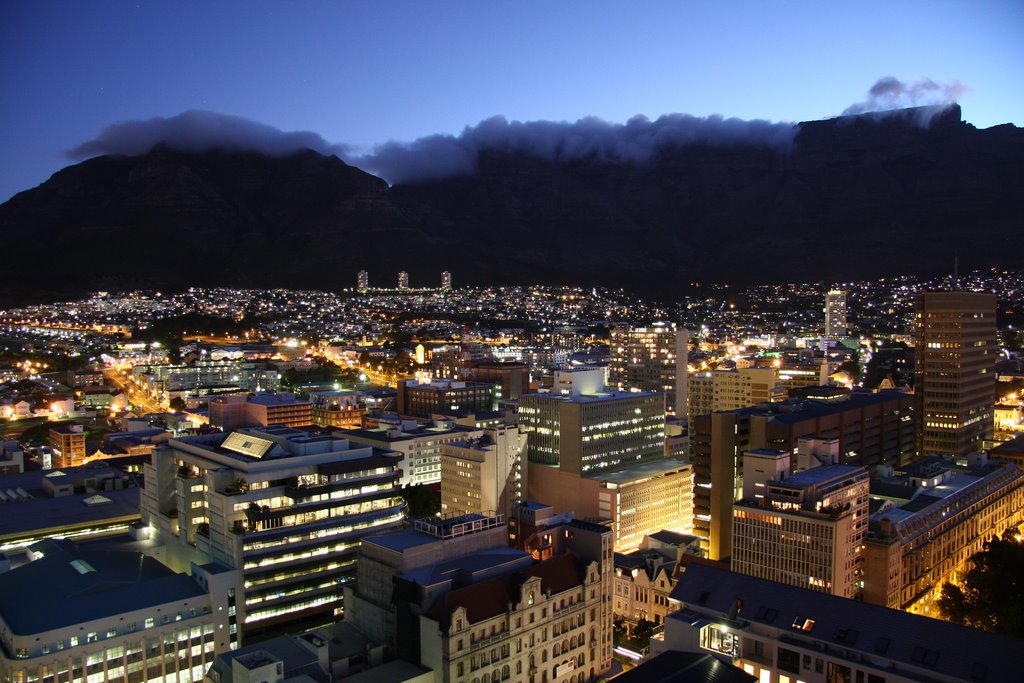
x=197, y=131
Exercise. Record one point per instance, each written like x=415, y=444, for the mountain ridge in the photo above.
x=855, y=197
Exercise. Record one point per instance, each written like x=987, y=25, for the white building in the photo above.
x=100, y=615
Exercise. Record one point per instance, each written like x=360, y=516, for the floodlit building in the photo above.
x=342, y=409
x=485, y=473
x=716, y=390
x=806, y=530
x=285, y=507
x=651, y=359
x=446, y=280
x=403, y=280
x=420, y=444
x=67, y=440
x=954, y=374
x=782, y=633
x=74, y=614
x=913, y=548
x=362, y=280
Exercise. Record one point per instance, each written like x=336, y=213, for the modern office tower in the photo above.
x=835, y=314
x=67, y=440
x=286, y=507
x=342, y=409
x=716, y=390
x=944, y=512
x=451, y=596
x=485, y=473
x=511, y=376
x=807, y=530
x=446, y=280
x=781, y=633
x=420, y=445
x=584, y=433
x=403, y=280
x=75, y=614
x=651, y=359
x=363, y=280
x=601, y=456
x=873, y=429
x=240, y=410
x=428, y=398
x=954, y=376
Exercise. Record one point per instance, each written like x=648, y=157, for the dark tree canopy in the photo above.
x=993, y=590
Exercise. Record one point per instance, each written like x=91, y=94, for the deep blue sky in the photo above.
x=363, y=73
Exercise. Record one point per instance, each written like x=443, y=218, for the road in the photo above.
x=138, y=397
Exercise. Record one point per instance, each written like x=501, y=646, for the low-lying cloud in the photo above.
x=197, y=131
x=889, y=93
x=434, y=157
x=636, y=141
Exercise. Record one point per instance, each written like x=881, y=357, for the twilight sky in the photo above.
x=362, y=73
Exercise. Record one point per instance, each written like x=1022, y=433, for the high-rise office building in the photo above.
x=585, y=433
x=954, y=376
x=872, y=429
x=835, y=314
x=403, y=280
x=285, y=507
x=446, y=280
x=807, y=530
x=651, y=359
x=363, y=280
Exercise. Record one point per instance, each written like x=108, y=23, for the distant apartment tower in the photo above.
x=651, y=359
x=446, y=280
x=954, y=375
x=806, y=530
x=835, y=314
x=363, y=280
x=403, y=280
x=485, y=473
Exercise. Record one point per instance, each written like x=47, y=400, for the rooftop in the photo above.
x=69, y=586
x=847, y=625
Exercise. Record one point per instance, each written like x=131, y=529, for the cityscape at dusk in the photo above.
x=452, y=343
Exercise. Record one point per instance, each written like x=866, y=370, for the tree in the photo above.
x=423, y=501
x=178, y=403
x=992, y=592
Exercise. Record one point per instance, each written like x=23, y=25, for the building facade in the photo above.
x=486, y=473
x=807, y=530
x=651, y=359
x=835, y=314
x=954, y=374
x=914, y=548
x=113, y=616
x=716, y=390
x=285, y=507
x=420, y=444
x=872, y=429
x=419, y=398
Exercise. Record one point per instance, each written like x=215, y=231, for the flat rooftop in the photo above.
x=639, y=472
x=821, y=474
